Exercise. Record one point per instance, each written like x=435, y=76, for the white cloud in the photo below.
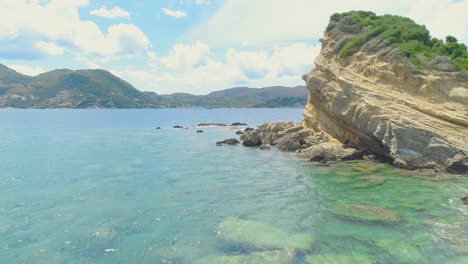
x=174, y=13
x=192, y=68
x=184, y=56
x=264, y=23
x=55, y=27
x=110, y=13
x=49, y=48
x=26, y=69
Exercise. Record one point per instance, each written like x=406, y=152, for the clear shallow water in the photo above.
x=103, y=186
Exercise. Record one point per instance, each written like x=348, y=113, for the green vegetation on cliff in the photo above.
x=408, y=39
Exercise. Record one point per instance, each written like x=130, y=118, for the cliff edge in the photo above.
x=383, y=85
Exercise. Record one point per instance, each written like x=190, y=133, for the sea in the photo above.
x=106, y=186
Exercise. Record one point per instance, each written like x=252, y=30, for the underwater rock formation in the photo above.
x=262, y=235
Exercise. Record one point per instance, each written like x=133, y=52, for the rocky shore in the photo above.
x=317, y=147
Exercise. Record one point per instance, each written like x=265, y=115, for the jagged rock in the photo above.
x=239, y=132
x=251, y=139
x=387, y=108
x=211, y=124
x=367, y=213
x=294, y=140
x=231, y=141
x=238, y=124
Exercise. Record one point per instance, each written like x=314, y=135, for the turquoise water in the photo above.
x=104, y=186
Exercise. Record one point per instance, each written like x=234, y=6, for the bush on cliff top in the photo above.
x=413, y=41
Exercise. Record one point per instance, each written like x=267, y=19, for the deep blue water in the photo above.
x=104, y=186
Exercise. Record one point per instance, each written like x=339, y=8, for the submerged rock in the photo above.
x=366, y=167
x=427, y=174
x=404, y=253
x=459, y=260
x=338, y=259
x=231, y=141
x=262, y=235
x=373, y=180
x=265, y=257
x=367, y=213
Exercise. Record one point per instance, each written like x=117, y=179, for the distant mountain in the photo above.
x=66, y=88
x=240, y=97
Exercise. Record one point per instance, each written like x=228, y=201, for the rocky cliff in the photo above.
x=415, y=114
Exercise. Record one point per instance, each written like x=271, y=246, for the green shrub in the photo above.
x=413, y=41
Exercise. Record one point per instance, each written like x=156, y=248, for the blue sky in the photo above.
x=193, y=46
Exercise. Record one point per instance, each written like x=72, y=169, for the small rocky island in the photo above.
x=381, y=87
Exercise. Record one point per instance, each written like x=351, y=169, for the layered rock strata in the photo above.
x=416, y=118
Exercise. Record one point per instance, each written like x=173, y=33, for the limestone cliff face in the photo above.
x=419, y=119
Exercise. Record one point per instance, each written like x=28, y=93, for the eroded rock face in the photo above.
x=417, y=119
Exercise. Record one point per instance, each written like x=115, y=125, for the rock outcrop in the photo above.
x=230, y=141
x=291, y=137
x=417, y=118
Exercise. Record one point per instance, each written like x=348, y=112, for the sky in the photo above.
x=192, y=46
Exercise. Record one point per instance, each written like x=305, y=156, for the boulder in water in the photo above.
x=238, y=124
x=252, y=139
x=465, y=200
x=231, y=141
